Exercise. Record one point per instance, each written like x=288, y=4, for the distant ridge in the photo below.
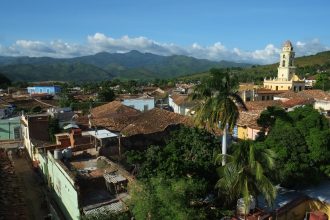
x=306, y=66
x=104, y=65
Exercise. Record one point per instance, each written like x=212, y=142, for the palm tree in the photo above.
x=219, y=101
x=244, y=175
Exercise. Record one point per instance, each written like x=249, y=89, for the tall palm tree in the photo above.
x=219, y=101
x=244, y=174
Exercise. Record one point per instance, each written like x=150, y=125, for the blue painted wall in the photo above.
x=44, y=89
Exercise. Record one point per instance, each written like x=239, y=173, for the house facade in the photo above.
x=10, y=129
x=181, y=104
x=34, y=127
x=83, y=184
x=51, y=90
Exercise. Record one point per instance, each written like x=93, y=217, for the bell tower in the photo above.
x=286, y=68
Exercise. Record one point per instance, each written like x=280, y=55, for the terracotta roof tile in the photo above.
x=316, y=94
x=297, y=101
x=288, y=95
x=155, y=120
x=114, y=115
x=182, y=99
x=262, y=105
x=115, y=107
x=249, y=118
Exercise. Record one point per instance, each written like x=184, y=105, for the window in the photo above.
x=145, y=108
x=17, y=133
x=283, y=63
x=262, y=98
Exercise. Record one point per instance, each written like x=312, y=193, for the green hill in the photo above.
x=131, y=65
x=306, y=66
x=55, y=72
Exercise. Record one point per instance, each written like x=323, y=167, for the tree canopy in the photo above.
x=301, y=143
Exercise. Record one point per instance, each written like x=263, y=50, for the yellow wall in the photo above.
x=280, y=85
x=242, y=132
x=298, y=212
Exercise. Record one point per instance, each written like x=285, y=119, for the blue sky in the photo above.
x=215, y=29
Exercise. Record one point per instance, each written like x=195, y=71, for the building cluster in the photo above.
x=81, y=164
x=81, y=168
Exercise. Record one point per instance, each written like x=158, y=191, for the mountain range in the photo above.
x=103, y=66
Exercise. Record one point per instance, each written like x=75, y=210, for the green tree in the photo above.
x=163, y=198
x=106, y=95
x=4, y=81
x=322, y=81
x=302, y=147
x=244, y=175
x=188, y=152
x=219, y=100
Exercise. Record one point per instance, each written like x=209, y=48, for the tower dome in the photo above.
x=287, y=44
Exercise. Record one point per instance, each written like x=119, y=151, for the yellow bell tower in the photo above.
x=286, y=68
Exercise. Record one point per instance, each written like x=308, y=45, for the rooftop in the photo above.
x=249, y=118
x=115, y=116
x=155, y=120
x=101, y=134
x=182, y=99
x=262, y=105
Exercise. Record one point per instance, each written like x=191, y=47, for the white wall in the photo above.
x=140, y=104
x=324, y=105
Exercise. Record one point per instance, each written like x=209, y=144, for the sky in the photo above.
x=237, y=30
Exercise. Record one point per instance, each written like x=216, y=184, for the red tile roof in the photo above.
x=182, y=99
x=297, y=101
x=115, y=116
x=155, y=120
x=288, y=95
x=262, y=105
x=249, y=118
x=316, y=94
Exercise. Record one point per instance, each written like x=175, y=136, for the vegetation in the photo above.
x=323, y=81
x=189, y=152
x=4, y=81
x=105, y=95
x=55, y=71
x=301, y=142
x=244, y=175
x=105, y=66
x=176, y=179
x=163, y=198
x=219, y=98
x=306, y=66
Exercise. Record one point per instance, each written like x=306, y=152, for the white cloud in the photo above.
x=100, y=42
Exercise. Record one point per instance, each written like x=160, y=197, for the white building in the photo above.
x=142, y=103
x=181, y=104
